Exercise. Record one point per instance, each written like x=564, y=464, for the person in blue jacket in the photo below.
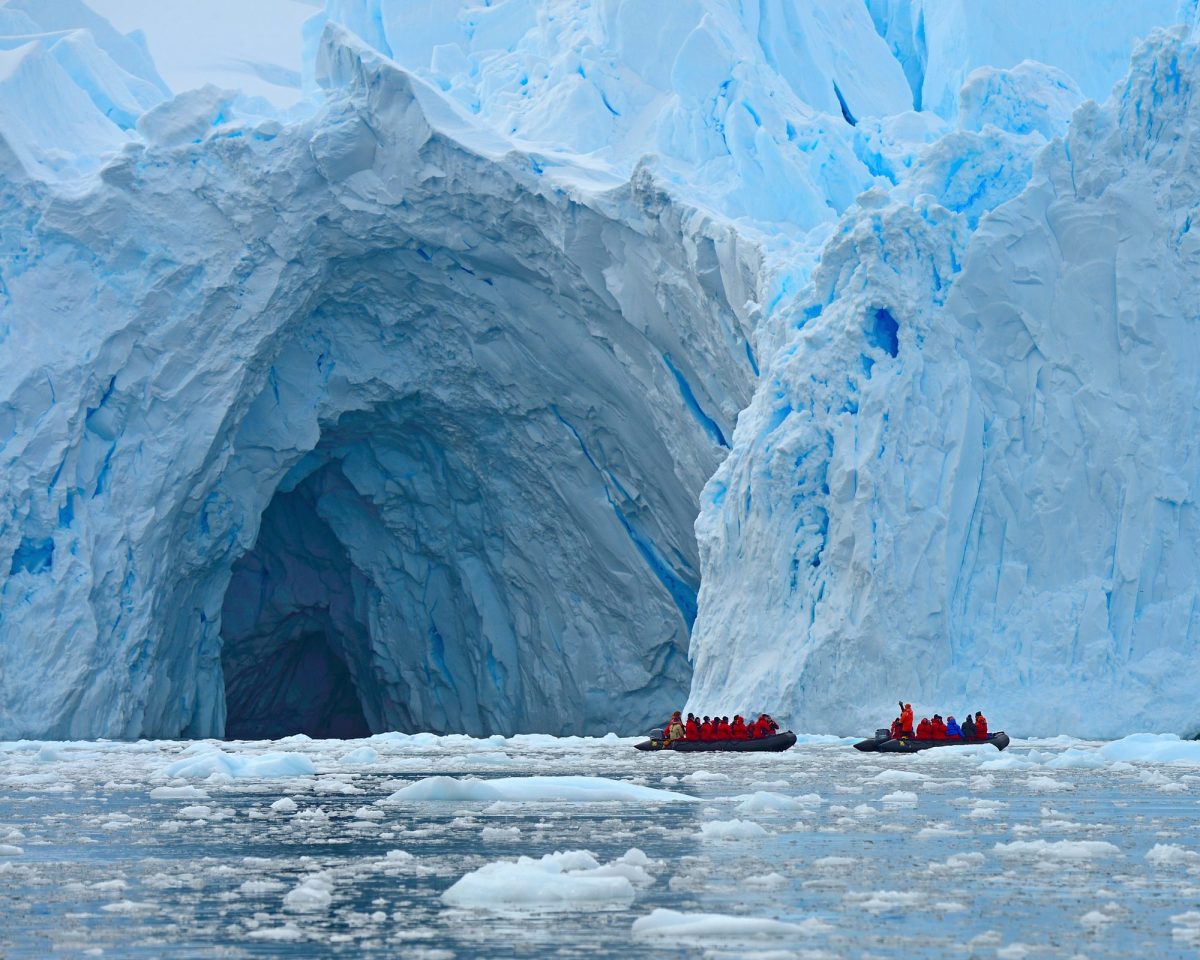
x=952, y=728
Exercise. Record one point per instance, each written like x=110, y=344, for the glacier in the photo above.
x=527, y=366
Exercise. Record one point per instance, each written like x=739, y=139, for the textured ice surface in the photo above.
x=94, y=855
x=970, y=470
x=373, y=382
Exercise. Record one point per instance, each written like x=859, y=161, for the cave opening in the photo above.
x=293, y=642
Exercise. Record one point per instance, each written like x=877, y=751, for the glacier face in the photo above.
x=982, y=490
x=392, y=410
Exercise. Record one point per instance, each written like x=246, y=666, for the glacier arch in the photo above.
x=458, y=359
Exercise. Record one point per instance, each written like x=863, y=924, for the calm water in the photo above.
x=951, y=864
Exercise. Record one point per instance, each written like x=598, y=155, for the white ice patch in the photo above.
x=573, y=789
x=705, y=776
x=187, y=792
x=762, y=801
x=1058, y=849
x=1153, y=748
x=732, y=830
x=312, y=895
x=1169, y=854
x=570, y=880
x=674, y=925
x=253, y=767
x=362, y=755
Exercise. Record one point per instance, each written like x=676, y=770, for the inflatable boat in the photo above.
x=883, y=742
x=771, y=744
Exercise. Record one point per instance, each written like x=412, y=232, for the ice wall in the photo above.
x=969, y=479
x=497, y=396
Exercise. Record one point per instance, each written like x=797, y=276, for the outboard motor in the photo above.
x=883, y=733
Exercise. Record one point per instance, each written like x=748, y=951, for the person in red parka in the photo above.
x=738, y=728
x=906, y=718
x=981, y=729
x=691, y=729
x=725, y=734
x=897, y=730
x=937, y=727
x=923, y=732
x=706, y=729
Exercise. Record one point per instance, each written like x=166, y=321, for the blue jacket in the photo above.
x=952, y=729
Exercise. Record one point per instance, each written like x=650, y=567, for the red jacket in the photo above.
x=923, y=730
x=691, y=730
x=981, y=731
x=937, y=730
x=738, y=729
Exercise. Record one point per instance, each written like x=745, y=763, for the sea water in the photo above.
x=317, y=848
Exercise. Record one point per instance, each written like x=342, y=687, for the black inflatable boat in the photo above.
x=883, y=742
x=771, y=744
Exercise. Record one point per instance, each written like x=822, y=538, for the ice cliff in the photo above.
x=395, y=410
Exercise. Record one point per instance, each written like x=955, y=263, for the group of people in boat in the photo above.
x=973, y=728
x=718, y=728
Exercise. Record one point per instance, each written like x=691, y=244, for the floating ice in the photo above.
x=575, y=789
x=674, y=925
x=731, y=830
x=313, y=894
x=243, y=767
x=570, y=880
x=1058, y=849
x=1153, y=748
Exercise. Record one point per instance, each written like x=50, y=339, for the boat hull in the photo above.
x=772, y=744
x=999, y=740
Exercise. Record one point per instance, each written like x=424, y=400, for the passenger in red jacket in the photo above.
x=981, y=729
x=738, y=728
x=937, y=727
x=923, y=732
x=706, y=729
x=691, y=729
x=725, y=733
x=897, y=730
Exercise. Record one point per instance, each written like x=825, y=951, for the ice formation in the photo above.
x=391, y=404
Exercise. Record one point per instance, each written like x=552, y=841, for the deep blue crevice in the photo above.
x=689, y=398
x=846, y=114
x=750, y=357
x=883, y=331
x=34, y=554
